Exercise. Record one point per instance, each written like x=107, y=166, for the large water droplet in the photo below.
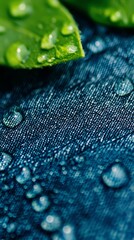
x=2, y=29
x=37, y=189
x=17, y=54
x=67, y=29
x=48, y=41
x=5, y=160
x=20, y=8
x=24, y=176
x=41, y=204
x=51, y=223
x=124, y=87
x=116, y=175
x=12, y=118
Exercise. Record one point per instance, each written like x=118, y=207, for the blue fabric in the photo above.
x=75, y=125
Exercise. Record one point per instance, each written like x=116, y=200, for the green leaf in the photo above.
x=118, y=13
x=36, y=33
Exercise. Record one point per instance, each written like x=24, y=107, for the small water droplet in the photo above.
x=48, y=41
x=116, y=175
x=12, y=118
x=53, y=3
x=97, y=45
x=24, y=176
x=131, y=138
x=34, y=191
x=42, y=58
x=67, y=29
x=68, y=232
x=71, y=49
x=41, y=204
x=2, y=29
x=17, y=54
x=124, y=87
x=51, y=223
x=20, y=8
x=11, y=227
x=5, y=160
x=116, y=16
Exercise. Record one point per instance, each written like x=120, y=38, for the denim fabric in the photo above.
x=74, y=126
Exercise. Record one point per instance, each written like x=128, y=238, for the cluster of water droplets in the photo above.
x=18, y=53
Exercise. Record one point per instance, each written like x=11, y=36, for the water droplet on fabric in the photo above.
x=68, y=233
x=48, y=41
x=20, y=8
x=12, y=118
x=67, y=29
x=124, y=87
x=24, y=175
x=5, y=160
x=17, y=54
x=36, y=190
x=2, y=29
x=97, y=45
x=115, y=176
x=40, y=204
x=11, y=227
x=51, y=223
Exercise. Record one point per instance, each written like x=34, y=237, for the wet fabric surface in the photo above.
x=77, y=119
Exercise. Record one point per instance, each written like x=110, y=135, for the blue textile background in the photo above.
x=75, y=125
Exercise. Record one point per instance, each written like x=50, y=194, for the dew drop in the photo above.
x=24, y=176
x=40, y=204
x=42, y=58
x=124, y=87
x=20, y=8
x=53, y=3
x=17, y=54
x=115, y=176
x=5, y=160
x=48, y=41
x=51, y=223
x=71, y=49
x=34, y=191
x=116, y=16
x=2, y=29
x=67, y=29
x=12, y=118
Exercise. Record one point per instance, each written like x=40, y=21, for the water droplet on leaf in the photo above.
x=48, y=41
x=51, y=223
x=42, y=58
x=67, y=29
x=24, y=175
x=115, y=176
x=12, y=118
x=53, y=3
x=20, y=8
x=5, y=160
x=41, y=204
x=2, y=29
x=17, y=54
